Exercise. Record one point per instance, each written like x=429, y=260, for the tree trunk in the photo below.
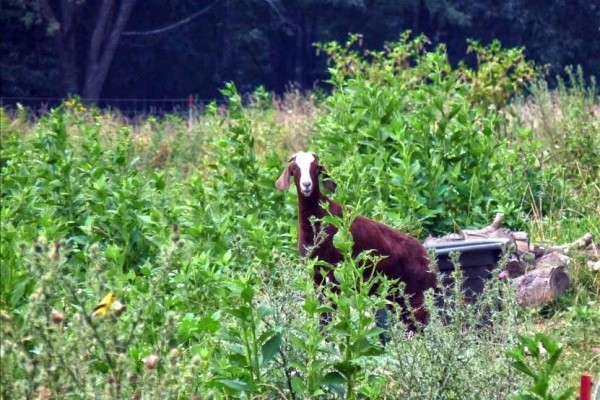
x=311, y=53
x=282, y=57
x=67, y=53
x=299, y=68
x=111, y=19
x=103, y=45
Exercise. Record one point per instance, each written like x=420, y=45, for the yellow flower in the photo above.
x=106, y=303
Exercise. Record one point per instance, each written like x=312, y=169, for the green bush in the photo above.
x=63, y=184
x=214, y=332
x=412, y=132
x=537, y=357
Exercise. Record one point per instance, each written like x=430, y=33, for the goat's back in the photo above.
x=405, y=257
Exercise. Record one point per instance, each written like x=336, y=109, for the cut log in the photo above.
x=550, y=260
x=541, y=286
x=494, y=230
x=522, y=241
x=451, y=237
x=579, y=244
x=489, y=232
x=515, y=265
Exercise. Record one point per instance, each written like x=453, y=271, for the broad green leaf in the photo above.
x=247, y=294
x=336, y=382
x=146, y=219
x=333, y=378
x=567, y=394
x=298, y=386
x=523, y=368
x=264, y=311
x=347, y=368
x=271, y=347
x=235, y=384
x=227, y=256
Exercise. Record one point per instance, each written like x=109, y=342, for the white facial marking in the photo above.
x=304, y=160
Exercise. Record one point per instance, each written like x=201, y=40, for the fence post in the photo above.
x=585, y=388
x=190, y=112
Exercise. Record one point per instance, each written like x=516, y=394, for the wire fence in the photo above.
x=130, y=108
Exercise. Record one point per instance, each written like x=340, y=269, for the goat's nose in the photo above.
x=306, y=184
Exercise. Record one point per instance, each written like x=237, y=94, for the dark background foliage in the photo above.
x=179, y=47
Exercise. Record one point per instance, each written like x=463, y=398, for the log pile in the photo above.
x=539, y=273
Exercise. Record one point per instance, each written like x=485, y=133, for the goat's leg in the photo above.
x=412, y=312
x=382, y=320
x=420, y=316
x=325, y=317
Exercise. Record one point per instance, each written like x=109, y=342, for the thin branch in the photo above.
x=47, y=11
x=282, y=17
x=172, y=26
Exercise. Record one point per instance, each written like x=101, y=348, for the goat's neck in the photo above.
x=312, y=207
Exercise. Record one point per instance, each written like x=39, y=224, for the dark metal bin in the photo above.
x=478, y=258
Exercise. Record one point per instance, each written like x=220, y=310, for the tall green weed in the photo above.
x=62, y=184
x=410, y=130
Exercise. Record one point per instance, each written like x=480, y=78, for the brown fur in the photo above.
x=405, y=257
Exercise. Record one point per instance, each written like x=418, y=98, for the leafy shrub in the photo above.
x=62, y=185
x=414, y=133
x=501, y=73
x=55, y=344
x=536, y=357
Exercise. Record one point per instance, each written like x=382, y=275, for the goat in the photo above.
x=403, y=257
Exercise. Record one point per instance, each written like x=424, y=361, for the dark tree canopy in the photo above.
x=165, y=49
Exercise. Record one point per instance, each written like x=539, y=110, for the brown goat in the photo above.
x=404, y=257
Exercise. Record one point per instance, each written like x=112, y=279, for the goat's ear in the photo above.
x=283, y=183
x=329, y=184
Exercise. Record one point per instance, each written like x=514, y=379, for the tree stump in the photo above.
x=541, y=286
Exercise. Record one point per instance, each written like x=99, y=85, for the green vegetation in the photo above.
x=544, y=354
x=182, y=223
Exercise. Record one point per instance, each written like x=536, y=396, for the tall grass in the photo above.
x=565, y=131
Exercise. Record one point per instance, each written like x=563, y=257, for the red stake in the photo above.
x=585, y=389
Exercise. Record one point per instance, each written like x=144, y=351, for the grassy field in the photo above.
x=182, y=224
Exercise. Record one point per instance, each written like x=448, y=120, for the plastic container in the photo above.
x=478, y=258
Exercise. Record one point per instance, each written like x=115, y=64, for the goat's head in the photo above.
x=305, y=169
